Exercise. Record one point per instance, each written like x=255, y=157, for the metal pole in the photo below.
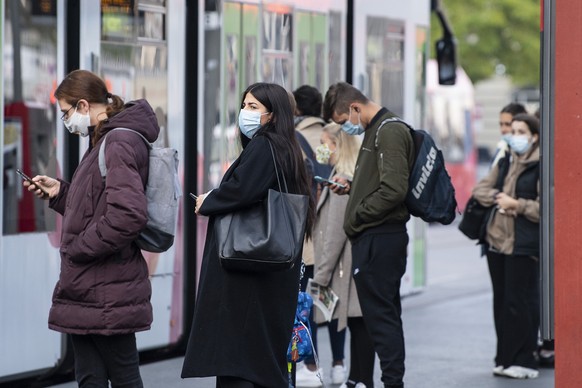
x=547, y=169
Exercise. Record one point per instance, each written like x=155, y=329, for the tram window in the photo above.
x=385, y=62
x=134, y=54
x=152, y=25
x=320, y=66
x=335, y=47
x=277, y=44
x=279, y=71
x=29, y=113
x=304, y=69
x=117, y=19
x=277, y=31
x=250, y=60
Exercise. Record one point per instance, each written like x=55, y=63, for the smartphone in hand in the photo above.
x=327, y=182
x=194, y=197
x=29, y=180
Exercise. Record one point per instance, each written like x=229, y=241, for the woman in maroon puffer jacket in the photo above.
x=103, y=294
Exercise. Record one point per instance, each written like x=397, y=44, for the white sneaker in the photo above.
x=520, y=372
x=338, y=374
x=498, y=370
x=304, y=378
x=358, y=385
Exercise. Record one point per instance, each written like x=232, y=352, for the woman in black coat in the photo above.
x=243, y=321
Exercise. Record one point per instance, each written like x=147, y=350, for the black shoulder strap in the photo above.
x=503, y=166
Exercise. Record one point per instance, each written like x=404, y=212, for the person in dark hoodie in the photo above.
x=102, y=297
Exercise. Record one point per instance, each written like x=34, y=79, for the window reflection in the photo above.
x=277, y=44
x=385, y=62
x=134, y=54
x=335, y=47
x=29, y=126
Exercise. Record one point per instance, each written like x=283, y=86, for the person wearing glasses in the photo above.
x=102, y=297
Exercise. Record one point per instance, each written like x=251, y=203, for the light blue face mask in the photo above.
x=520, y=144
x=506, y=138
x=249, y=122
x=351, y=128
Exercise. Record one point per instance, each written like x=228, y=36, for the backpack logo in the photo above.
x=426, y=170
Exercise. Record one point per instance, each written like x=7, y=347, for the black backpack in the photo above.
x=431, y=195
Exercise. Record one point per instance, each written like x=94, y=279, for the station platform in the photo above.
x=448, y=327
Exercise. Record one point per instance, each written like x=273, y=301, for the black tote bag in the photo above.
x=265, y=237
x=476, y=217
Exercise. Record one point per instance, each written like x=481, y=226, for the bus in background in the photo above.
x=451, y=120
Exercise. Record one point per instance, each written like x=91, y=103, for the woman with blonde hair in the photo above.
x=333, y=254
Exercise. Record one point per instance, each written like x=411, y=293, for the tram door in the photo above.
x=130, y=49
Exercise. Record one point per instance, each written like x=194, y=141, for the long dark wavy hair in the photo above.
x=280, y=130
x=82, y=84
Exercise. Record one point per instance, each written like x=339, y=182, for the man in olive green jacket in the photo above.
x=376, y=218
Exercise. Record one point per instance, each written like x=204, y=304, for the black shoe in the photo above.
x=546, y=360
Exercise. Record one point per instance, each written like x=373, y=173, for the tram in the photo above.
x=191, y=60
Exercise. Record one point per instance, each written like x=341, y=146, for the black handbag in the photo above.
x=475, y=220
x=265, y=237
x=476, y=217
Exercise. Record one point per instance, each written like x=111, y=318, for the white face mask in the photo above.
x=520, y=144
x=78, y=123
x=249, y=122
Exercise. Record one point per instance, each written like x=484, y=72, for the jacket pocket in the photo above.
x=76, y=283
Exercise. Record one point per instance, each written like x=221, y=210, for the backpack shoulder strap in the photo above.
x=102, y=166
x=305, y=145
x=391, y=120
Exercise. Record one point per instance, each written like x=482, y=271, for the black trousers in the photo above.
x=516, y=304
x=379, y=262
x=100, y=359
x=362, y=354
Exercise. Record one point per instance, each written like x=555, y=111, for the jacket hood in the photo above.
x=137, y=115
x=308, y=121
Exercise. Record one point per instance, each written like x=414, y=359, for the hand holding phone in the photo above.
x=30, y=181
x=327, y=182
x=195, y=197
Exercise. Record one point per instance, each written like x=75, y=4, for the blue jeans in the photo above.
x=100, y=359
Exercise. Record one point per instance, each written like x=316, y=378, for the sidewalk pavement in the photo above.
x=448, y=328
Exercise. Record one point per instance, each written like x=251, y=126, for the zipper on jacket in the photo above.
x=381, y=161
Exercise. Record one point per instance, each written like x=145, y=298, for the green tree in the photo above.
x=494, y=36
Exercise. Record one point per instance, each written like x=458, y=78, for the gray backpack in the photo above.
x=162, y=193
